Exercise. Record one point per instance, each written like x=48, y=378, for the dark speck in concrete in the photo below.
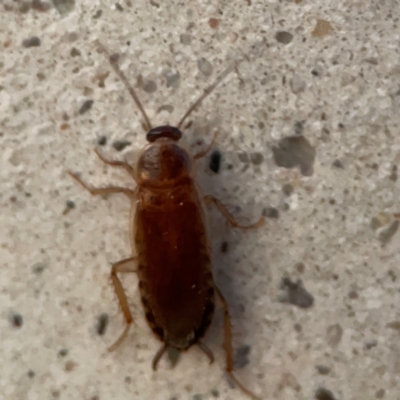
x=64, y=6
x=293, y=151
x=296, y=294
x=337, y=164
x=323, y=369
x=298, y=128
x=353, y=294
x=38, y=268
x=24, y=7
x=62, y=353
x=242, y=356
x=86, y=106
x=371, y=343
x=102, y=323
x=205, y=67
x=119, y=145
x=393, y=174
x=16, y=320
x=215, y=392
x=215, y=161
x=40, y=6
x=256, y=158
x=75, y=52
x=185, y=39
x=31, y=374
x=287, y=189
x=283, y=37
x=393, y=325
x=298, y=328
x=102, y=140
x=334, y=334
x=243, y=157
x=297, y=84
x=33, y=41
x=270, y=212
x=324, y=394
x=119, y=7
x=149, y=86
x=172, y=78
x=98, y=14
x=69, y=205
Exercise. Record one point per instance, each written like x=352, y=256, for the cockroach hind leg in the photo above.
x=120, y=339
x=241, y=387
x=206, y=351
x=229, y=217
x=228, y=346
x=158, y=356
x=124, y=266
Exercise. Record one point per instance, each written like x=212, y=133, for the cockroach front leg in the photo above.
x=231, y=219
x=202, y=153
x=123, y=266
x=228, y=346
x=101, y=191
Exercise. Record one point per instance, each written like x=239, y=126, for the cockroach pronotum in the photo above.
x=169, y=239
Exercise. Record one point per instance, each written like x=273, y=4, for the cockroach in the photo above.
x=169, y=239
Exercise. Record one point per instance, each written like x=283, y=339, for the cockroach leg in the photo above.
x=228, y=346
x=158, y=356
x=231, y=219
x=123, y=266
x=101, y=191
x=202, y=153
x=115, y=163
x=206, y=351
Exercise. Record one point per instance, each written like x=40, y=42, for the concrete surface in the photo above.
x=309, y=134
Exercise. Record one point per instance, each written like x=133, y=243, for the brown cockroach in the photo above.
x=172, y=254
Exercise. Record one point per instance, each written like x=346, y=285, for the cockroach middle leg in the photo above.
x=102, y=191
x=123, y=266
x=202, y=153
x=228, y=346
x=158, y=356
x=231, y=219
x=206, y=351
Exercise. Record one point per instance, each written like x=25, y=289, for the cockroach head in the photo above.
x=164, y=131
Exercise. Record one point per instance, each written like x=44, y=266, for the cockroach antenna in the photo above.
x=114, y=63
x=207, y=91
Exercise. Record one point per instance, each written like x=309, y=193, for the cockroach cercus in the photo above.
x=172, y=255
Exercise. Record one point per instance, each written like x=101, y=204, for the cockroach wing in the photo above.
x=174, y=266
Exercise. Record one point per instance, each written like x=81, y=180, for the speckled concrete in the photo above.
x=309, y=127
